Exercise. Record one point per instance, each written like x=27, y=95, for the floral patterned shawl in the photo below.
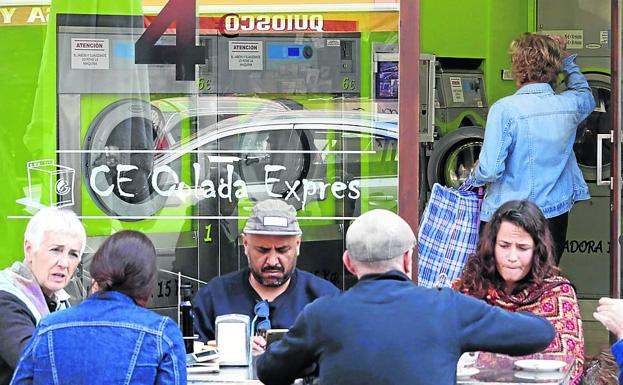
x=556, y=301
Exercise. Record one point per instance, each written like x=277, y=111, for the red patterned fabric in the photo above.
x=556, y=301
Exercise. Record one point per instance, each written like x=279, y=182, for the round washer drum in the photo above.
x=125, y=133
x=598, y=122
x=454, y=156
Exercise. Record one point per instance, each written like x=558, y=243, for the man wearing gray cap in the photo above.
x=385, y=329
x=271, y=240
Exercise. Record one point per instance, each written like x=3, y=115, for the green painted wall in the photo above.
x=28, y=107
x=477, y=29
x=19, y=71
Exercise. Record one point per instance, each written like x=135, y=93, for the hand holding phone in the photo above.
x=273, y=335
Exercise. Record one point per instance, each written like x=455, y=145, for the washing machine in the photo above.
x=586, y=259
x=453, y=109
x=126, y=118
x=460, y=112
x=308, y=66
x=110, y=133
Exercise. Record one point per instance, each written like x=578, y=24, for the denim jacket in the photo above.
x=107, y=339
x=528, y=148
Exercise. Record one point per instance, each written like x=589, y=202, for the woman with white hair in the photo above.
x=110, y=338
x=29, y=290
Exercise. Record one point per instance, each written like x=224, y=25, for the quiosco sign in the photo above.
x=248, y=23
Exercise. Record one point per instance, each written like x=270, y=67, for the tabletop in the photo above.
x=489, y=369
x=226, y=375
x=499, y=369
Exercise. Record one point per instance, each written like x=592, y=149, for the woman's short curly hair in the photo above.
x=535, y=58
x=480, y=273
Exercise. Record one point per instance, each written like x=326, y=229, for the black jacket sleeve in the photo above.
x=16, y=327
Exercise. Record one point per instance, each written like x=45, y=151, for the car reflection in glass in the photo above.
x=345, y=159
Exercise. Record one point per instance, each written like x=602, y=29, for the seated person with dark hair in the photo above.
x=514, y=268
x=110, y=338
x=271, y=239
x=385, y=329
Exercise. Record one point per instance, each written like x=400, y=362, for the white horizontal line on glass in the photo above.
x=211, y=152
x=176, y=217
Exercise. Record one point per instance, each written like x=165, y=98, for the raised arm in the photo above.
x=578, y=88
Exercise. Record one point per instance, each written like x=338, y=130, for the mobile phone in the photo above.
x=273, y=335
x=206, y=355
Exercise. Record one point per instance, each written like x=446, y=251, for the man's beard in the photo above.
x=272, y=282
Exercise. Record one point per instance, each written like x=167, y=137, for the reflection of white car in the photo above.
x=301, y=156
x=209, y=109
x=121, y=143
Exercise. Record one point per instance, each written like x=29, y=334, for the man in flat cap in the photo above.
x=271, y=240
x=385, y=329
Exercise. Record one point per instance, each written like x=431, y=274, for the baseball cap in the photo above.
x=273, y=217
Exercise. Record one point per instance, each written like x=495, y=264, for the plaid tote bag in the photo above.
x=448, y=234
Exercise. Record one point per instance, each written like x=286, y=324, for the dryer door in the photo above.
x=454, y=156
x=119, y=160
x=598, y=122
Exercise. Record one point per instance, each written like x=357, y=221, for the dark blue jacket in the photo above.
x=386, y=330
x=617, y=352
x=232, y=294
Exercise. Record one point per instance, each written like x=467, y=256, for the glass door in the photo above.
x=617, y=134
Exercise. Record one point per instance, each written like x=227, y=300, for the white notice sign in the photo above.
x=457, y=89
x=575, y=37
x=604, y=37
x=93, y=54
x=246, y=55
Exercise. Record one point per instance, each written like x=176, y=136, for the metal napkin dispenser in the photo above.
x=232, y=339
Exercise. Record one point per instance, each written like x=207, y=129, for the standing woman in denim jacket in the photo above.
x=110, y=338
x=528, y=147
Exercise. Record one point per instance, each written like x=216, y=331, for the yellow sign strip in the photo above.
x=24, y=15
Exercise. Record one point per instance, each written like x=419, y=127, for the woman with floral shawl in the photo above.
x=514, y=268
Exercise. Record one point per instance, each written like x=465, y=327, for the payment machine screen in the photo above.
x=282, y=51
x=387, y=80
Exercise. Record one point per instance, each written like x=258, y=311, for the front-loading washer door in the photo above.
x=118, y=162
x=598, y=122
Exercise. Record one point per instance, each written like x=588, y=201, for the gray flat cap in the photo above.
x=272, y=217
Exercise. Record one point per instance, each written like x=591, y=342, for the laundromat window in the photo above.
x=136, y=121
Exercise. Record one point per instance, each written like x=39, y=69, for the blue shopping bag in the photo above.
x=448, y=234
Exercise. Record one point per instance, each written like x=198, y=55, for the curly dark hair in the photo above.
x=535, y=58
x=480, y=273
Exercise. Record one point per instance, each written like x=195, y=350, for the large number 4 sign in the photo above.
x=184, y=54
